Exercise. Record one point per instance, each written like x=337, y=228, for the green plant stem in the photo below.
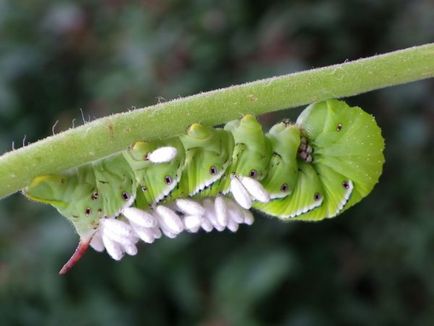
x=105, y=136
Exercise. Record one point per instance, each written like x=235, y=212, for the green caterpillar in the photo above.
x=208, y=179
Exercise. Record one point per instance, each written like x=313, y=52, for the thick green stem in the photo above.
x=114, y=133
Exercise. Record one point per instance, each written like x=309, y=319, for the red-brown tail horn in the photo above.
x=78, y=253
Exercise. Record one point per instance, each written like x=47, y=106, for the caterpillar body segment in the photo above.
x=252, y=151
x=154, y=180
x=208, y=156
x=208, y=178
x=87, y=195
x=306, y=197
x=115, y=185
x=283, y=168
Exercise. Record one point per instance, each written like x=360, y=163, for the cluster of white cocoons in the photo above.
x=120, y=236
x=246, y=190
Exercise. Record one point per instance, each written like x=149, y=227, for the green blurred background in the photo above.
x=372, y=266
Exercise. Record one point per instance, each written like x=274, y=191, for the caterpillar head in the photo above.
x=346, y=140
x=332, y=119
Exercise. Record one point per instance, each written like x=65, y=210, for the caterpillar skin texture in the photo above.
x=314, y=169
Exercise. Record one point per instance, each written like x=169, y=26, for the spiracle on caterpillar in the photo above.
x=316, y=168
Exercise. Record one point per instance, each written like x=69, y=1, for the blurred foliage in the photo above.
x=372, y=266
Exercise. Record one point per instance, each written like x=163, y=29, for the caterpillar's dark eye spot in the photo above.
x=125, y=196
x=168, y=179
x=253, y=173
x=284, y=187
x=213, y=170
x=339, y=127
x=317, y=196
x=346, y=185
x=94, y=195
x=87, y=211
x=144, y=188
